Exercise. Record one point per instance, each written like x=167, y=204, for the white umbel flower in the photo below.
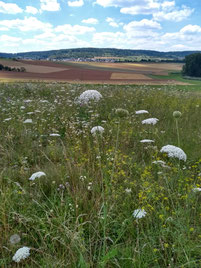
x=97, y=130
x=150, y=121
x=142, y=112
x=37, y=175
x=173, y=151
x=139, y=213
x=54, y=135
x=28, y=121
x=195, y=190
x=88, y=95
x=21, y=254
x=146, y=141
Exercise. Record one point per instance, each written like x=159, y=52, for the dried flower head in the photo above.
x=121, y=112
x=14, y=239
x=174, y=152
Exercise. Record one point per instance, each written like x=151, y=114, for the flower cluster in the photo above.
x=21, y=254
x=150, y=121
x=88, y=95
x=174, y=152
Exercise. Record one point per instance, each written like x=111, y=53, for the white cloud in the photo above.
x=26, y=25
x=9, y=8
x=109, y=39
x=175, y=15
x=77, y=3
x=142, y=25
x=74, y=29
x=50, y=5
x=191, y=29
x=90, y=21
x=112, y=22
x=144, y=7
x=161, y=10
x=32, y=10
x=168, y=5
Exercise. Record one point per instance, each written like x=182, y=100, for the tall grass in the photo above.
x=81, y=213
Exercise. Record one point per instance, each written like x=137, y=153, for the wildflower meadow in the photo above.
x=99, y=175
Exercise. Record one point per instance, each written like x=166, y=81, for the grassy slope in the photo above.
x=177, y=77
x=80, y=214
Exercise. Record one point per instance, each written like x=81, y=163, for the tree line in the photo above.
x=12, y=69
x=192, y=66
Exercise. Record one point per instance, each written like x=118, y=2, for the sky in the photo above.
x=38, y=25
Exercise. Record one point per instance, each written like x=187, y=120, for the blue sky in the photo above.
x=164, y=25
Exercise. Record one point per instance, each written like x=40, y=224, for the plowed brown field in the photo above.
x=121, y=73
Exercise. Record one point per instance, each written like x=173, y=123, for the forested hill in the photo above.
x=96, y=52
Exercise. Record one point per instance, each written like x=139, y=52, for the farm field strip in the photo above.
x=87, y=72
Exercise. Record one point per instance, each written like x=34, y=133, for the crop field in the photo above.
x=99, y=175
x=92, y=72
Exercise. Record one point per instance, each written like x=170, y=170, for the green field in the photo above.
x=81, y=213
x=178, y=77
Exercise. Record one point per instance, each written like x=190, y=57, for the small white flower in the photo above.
x=37, y=175
x=7, y=119
x=195, y=190
x=139, y=213
x=28, y=121
x=97, y=130
x=128, y=190
x=21, y=254
x=147, y=141
x=150, y=121
x=173, y=151
x=88, y=95
x=141, y=112
x=54, y=135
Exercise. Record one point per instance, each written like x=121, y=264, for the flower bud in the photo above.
x=177, y=114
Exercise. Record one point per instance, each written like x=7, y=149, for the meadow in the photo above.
x=107, y=198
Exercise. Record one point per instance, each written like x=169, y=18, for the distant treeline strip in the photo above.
x=11, y=69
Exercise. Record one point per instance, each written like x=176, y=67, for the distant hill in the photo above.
x=98, y=52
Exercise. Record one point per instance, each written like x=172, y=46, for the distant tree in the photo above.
x=192, y=66
x=22, y=69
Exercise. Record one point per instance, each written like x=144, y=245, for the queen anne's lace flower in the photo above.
x=150, y=121
x=142, y=112
x=139, y=213
x=28, y=121
x=173, y=151
x=195, y=190
x=37, y=175
x=88, y=95
x=146, y=141
x=54, y=135
x=97, y=130
x=21, y=254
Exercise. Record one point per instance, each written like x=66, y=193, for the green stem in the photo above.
x=177, y=128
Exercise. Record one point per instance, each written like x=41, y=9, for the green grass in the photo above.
x=80, y=213
x=177, y=77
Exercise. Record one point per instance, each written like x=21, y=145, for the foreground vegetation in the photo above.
x=81, y=213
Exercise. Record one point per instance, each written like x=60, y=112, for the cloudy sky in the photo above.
x=164, y=25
